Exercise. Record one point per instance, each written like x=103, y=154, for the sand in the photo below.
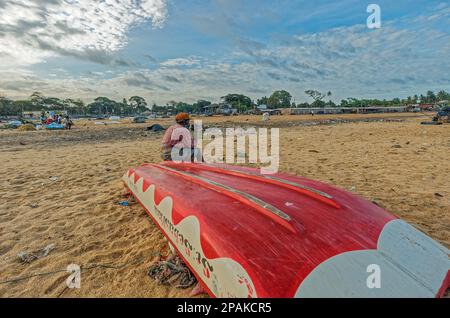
x=397, y=163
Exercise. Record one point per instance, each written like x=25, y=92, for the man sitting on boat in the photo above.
x=178, y=140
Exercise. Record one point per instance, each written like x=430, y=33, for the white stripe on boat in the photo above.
x=294, y=184
x=247, y=196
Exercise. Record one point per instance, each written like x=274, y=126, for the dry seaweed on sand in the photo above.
x=28, y=257
x=27, y=127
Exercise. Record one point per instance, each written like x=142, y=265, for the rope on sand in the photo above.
x=169, y=270
x=14, y=280
x=84, y=268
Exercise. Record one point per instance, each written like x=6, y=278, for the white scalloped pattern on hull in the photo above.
x=412, y=265
x=224, y=277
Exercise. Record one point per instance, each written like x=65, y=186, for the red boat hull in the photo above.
x=247, y=235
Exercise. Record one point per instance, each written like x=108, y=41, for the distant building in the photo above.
x=426, y=107
x=261, y=107
x=31, y=115
x=443, y=103
x=347, y=110
x=321, y=110
x=211, y=109
x=220, y=109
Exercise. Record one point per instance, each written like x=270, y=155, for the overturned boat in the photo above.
x=243, y=234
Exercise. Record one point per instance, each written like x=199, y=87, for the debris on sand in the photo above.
x=337, y=121
x=14, y=124
x=430, y=123
x=172, y=272
x=106, y=123
x=155, y=128
x=26, y=257
x=139, y=120
x=27, y=127
x=54, y=179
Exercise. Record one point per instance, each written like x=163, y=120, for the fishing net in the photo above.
x=172, y=272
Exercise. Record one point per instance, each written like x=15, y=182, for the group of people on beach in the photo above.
x=48, y=118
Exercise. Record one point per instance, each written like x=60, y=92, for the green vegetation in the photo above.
x=318, y=98
x=238, y=101
x=101, y=105
x=138, y=105
x=279, y=99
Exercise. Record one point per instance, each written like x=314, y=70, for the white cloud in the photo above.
x=400, y=59
x=190, y=61
x=31, y=30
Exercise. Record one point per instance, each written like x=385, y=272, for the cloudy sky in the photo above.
x=186, y=50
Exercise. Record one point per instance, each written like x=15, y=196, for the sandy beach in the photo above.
x=387, y=158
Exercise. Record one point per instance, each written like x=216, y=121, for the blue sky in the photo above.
x=186, y=50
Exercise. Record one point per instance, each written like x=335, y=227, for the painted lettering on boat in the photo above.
x=184, y=242
x=223, y=276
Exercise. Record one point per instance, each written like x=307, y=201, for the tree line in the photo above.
x=101, y=105
x=138, y=105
